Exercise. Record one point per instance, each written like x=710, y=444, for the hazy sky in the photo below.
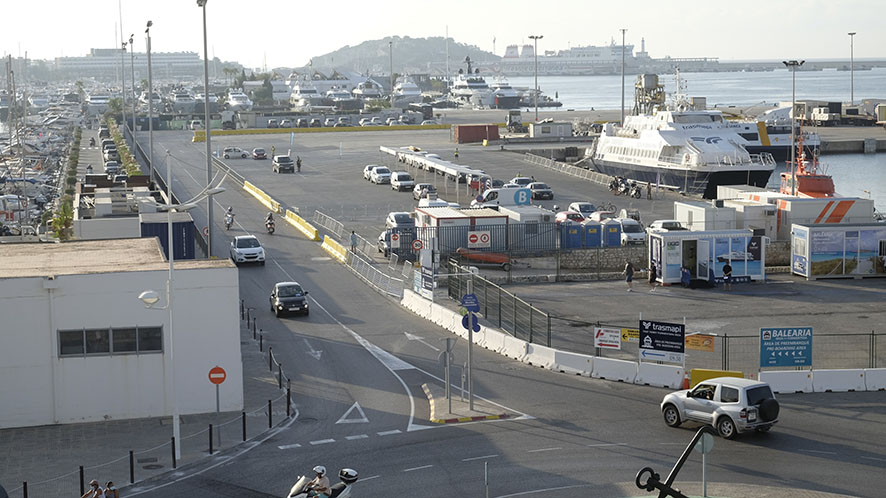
x=288, y=32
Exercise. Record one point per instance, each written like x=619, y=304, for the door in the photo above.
x=703, y=256
x=690, y=256
x=699, y=404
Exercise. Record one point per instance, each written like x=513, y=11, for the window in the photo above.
x=728, y=394
x=98, y=341
x=123, y=340
x=110, y=341
x=70, y=342
x=150, y=339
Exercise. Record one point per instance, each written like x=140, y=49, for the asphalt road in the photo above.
x=580, y=437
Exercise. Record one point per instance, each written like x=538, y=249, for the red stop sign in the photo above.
x=217, y=375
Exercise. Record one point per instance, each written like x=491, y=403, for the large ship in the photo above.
x=504, y=96
x=470, y=89
x=689, y=150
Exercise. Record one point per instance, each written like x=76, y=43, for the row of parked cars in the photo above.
x=343, y=121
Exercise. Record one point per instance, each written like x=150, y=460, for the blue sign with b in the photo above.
x=522, y=196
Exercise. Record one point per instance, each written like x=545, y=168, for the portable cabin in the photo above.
x=704, y=253
x=838, y=251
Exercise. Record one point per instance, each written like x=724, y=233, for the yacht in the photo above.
x=304, y=95
x=200, y=97
x=471, y=89
x=97, y=103
x=367, y=90
x=406, y=92
x=504, y=96
x=690, y=150
x=238, y=101
x=341, y=99
x=182, y=101
x=38, y=102
x=155, y=98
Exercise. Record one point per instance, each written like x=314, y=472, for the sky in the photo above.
x=288, y=33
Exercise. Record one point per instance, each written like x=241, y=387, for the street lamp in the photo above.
x=851, y=68
x=123, y=81
x=391, y=53
x=202, y=5
x=150, y=107
x=151, y=298
x=536, y=38
x=623, y=30
x=792, y=66
x=134, y=99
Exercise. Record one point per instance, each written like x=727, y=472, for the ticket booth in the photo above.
x=703, y=255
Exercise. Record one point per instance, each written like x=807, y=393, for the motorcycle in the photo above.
x=229, y=220
x=636, y=191
x=269, y=225
x=340, y=490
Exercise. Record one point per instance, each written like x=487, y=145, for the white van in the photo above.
x=631, y=232
x=503, y=197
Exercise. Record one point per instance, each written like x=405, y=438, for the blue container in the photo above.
x=183, y=233
x=592, y=232
x=570, y=235
x=611, y=233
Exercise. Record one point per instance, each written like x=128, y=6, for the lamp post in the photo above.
x=134, y=99
x=792, y=66
x=851, y=68
x=150, y=107
x=150, y=298
x=623, y=30
x=535, y=38
x=391, y=53
x=123, y=82
x=202, y=5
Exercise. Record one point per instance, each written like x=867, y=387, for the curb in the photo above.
x=456, y=420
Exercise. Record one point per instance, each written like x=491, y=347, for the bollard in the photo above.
x=279, y=376
x=173, y=453
x=82, y=484
x=253, y=326
x=288, y=400
x=241, y=309
x=270, y=359
x=261, y=343
x=24, y=489
x=131, y=467
x=270, y=420
x=210, y=439
x=243, y=416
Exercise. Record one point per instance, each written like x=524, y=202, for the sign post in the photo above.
x=704, y=446
x=217, y=375
x=469, y=301
x=661, y=341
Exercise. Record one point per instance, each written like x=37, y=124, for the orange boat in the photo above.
x=810, y=182
x=486, y=258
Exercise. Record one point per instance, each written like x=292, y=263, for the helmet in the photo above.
x=320, y=470
x=230, y=209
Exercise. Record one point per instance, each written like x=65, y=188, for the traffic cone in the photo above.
x=685, y=380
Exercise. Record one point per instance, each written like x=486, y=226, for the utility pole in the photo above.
x=852, y=68
x=150, y=107
x=202, y=5
x=623, y=30
x=535, y=38
x=391, y=53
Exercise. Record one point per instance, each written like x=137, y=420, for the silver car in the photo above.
x=247, y=249
x=730, y=404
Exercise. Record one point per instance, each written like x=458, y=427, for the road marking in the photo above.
x=311, y=351
x=545, y=490
x=478, y=458
x=363, y=479
x=418, y=468
x=389, y=433
x=875, y=458
x=358, y=436
x=543, y=449
x=289, y=446
x=672, y=444
x=819, y=451
x=420, y=339
x=323, y=441
x=603, y=445
x=345, y=420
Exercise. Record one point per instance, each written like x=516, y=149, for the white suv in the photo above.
x=380, y=175
x=247, y=249
x=730, y=404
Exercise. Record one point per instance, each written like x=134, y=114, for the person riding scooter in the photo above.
x=229, y=217
x=269, y=222
x=319, y=486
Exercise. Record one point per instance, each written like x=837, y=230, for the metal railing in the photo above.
x=329, y=223
x=376, y=278
x=568, y=169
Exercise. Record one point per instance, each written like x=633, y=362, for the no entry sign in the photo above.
x=217, y=375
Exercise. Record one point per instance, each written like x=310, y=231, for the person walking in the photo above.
x=727, y=276
x=298, y=163
x=353, y=242
x=273, y=152
x=649, y=191
x=94, y=491
x=653, y=274
x=629, y=275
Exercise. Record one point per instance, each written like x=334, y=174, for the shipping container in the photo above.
x=752, y=215
x=183, y=233
x=854, y=250
x=475, y=133
x=550, y=130
x=698, y=215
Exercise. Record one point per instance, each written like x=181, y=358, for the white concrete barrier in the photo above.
x=875, y=379
x=653, y=374
x=514, y=348
x=580, y=364
x=539, y=356
x=493, y=340
x=612, y=369
x=788, y=381
x=838, y=380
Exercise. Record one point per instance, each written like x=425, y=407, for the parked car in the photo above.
x=259, y=153
x=376, y=121
x=108, y=144
x=343, y=125
x=731, y=405
x=330, y=122
x=573, y=216
x=423, y=189
x=120, y=178
x=112, y=168
x=365, y=122
x=195, y=124
x=585, y=208
x=631, y=232
x=380, y=175
x=315, y=123
x=367, y=171
x=522, y=181
x=289, y=297
x=541, y=191
x=665, y=226
x=273, y=123
x=301, y=123
x=494, y=183
x=282, y=164
x=111, y=154
x=402, y=180
x=286, y=123
x=247, y=249
x=104, y=132
x=384, y=243
x=234, y=152
x=344, y=120
x=399, y=219
x=428, y=122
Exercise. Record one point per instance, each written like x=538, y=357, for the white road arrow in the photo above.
x=311, y=351
x=413, y=337
x=345, y=420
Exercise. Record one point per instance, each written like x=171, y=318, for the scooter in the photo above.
x=229, y=220
x=340, y=490
x=636, y=191
x=269, y=225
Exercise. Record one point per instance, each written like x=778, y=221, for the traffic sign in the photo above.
x=206, y=231
x=661, y=341
x=395, y=241
x=470, y=316
x=417, y=245
x=786, y=347
x=217, y=375
x=607, y=338
x=630, y=335
x=479, y=239
x=470, y=302
x=705, y=444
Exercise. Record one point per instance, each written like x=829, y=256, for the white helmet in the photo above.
x=320, y=470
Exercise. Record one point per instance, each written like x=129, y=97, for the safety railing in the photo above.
x=376, y=278
x=568, y=169
x=329, y=223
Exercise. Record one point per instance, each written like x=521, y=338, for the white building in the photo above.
x=77, y=345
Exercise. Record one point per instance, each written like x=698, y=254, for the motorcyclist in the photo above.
x=269, y=218
x=319, y=486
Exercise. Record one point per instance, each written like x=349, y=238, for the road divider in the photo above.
x=838, y=380
x=539, y=356
x=335, y=249
x=262, y=197
x=514, y=348
x=875, y=379
x=617, y=370
x=653, y=374
x=788, y=381
x=576, y=363
x=302, y=225
x=200, y=135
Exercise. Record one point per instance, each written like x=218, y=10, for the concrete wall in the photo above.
x=38, y=387
x=107, y=228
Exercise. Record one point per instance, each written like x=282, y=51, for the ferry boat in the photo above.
x=774, y=137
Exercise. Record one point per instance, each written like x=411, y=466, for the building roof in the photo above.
x=91, y=256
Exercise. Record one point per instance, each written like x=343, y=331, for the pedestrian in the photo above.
x=653, y=274
x=727, y=276
x=298, y=163
x=273, y=152
x=456, y=152
x=629, y=275
x=353, y=242
x=111, y=490
x=94, y=491
x=649, y=191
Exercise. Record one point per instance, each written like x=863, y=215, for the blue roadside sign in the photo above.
x=786, y=347
x=469, y=316
x=470, y=302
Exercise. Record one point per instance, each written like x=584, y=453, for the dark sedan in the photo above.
x=259, y=153
x=289, y=297
x=541, y=191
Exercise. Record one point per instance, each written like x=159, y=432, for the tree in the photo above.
x=63, y=221
x=115, y=106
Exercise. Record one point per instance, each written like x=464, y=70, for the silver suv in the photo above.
x=730, y=404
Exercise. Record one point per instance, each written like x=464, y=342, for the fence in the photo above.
x=499, y=307
x=567, y=169
x=376, y=278
x=329, y=223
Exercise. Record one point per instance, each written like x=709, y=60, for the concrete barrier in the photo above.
x=875, y=379
x=788, y=381
x=697, y=375
x=262, y=197
x=513, y=348
x=200, y=135
x=611, y=369
x=838, y=380
x=302, y=225
x=539, y=356
x=335, y=249
x=493, y=340
x=653, y=374
x=579, y=364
